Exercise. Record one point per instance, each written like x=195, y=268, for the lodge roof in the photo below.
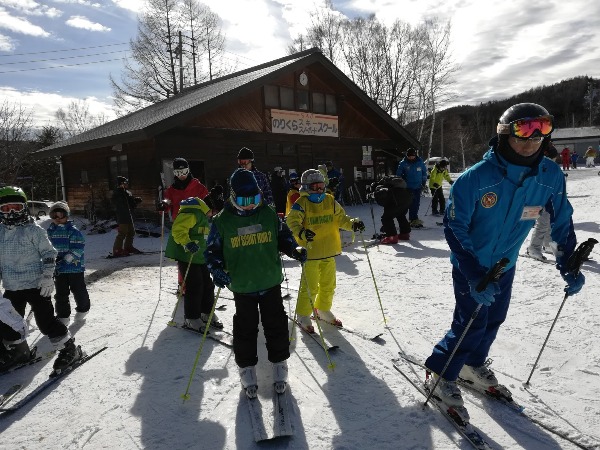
x=159, y=117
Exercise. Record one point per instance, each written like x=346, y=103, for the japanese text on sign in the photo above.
x=308, y=124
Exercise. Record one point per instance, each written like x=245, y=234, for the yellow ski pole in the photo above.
x=373, y=276
x=186, y=395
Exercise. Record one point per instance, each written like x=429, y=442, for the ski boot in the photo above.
x=536, y=253
x=306, y=324
x=133, y=251
x=280, y=376
x=327, y=316
x=67, y=356
x=194, y=324
x=403, y=236
x=214, y=323
x=448, y=394
x=416, y=223
x=14, y=354
x=248, y=379
x=390, y=240
x=482, y=379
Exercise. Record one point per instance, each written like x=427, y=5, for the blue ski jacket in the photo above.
x=493, y=206
x=413, y=172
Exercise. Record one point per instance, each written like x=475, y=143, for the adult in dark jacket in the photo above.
x=245, y=160
x=412, y=169
x=395, y=197
x=124, y=203
x=279, y=187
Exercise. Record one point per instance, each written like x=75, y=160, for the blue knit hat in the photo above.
x=243, y=183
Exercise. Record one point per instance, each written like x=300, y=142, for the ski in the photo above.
x=468, y=431
x=53, y=378
x=10, y=393
x=154, y=252
x=33, y=359
x=282, y=423
x=314, y=337
x=221, y=336
x=374, y=337
x=256, y=417
x=545, y=261
x=509, y=402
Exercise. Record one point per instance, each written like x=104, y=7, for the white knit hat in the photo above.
x=60, y=206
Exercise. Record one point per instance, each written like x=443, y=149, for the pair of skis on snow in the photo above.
x=466, y=429
x=282, y=418
x=54, y=377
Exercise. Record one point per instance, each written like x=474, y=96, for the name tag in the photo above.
x=250, y=229
x=531, y=212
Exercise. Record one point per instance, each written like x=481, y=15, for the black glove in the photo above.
x=358, y=225
x=436, y=186
x=451, y=182
x=163, y=205
x=299, y=254
x=309, y=235
x=192, y=247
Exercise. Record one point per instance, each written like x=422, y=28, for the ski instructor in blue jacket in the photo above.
x=492, y=207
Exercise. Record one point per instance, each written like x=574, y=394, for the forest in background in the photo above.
x=469, y=128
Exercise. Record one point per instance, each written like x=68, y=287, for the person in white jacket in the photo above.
x=27, y=263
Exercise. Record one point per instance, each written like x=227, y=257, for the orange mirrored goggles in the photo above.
x=317, y=187
x=527, y=127
x=12, y=207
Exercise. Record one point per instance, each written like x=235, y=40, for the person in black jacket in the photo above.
x=392, y=193
x=124, y=203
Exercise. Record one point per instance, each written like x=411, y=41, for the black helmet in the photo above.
x=180, y=163
x=522, y=111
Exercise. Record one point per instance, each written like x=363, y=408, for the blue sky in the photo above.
x=502, y=49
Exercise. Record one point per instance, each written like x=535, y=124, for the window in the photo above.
x=318, y=101
x=118, y=167
x=287, y=98
x=272, y=96
x=302, y=100
x=330, y=105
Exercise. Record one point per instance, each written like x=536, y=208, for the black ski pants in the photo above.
x=245, y=327
x=199, y=294
x=43, y=311
x=438, y=199
x=66, y=283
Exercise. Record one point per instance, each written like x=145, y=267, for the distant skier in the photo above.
x=491, y=209
x=439, y=173
x=294, y=192
x=243, y=254
x=412, y=170
x=124, y=203
x=70, y=264
x=396, y=198
x=27, y=263
x=245, y=160
x=184, y=186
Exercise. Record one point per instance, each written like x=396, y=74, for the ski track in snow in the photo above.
x=130, y=395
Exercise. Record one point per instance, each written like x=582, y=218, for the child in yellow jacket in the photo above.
x=315, y=220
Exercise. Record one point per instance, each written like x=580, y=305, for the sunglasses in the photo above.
x=12, y=207
x=317, y=187
x=57, y=215
x=525, y=128
x=247, y=201
x=181, y=172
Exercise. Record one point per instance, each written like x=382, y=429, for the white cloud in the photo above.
x=43, y=105
x=79, y=2
x=7, y=44
x=85, y=24
x=20, y=25
x=131, y=5
x=31, y=8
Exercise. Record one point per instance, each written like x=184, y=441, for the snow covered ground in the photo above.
x=130, y=395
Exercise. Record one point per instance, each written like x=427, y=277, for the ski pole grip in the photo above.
x=492, y=275
x=580, y=255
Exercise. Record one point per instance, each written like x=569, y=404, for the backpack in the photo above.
x=381, y=188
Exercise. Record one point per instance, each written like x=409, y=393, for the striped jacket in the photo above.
x=68, y=240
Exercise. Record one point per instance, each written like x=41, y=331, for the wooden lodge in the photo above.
x=295, y=112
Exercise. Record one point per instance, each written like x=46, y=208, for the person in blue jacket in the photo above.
x=492, y=207
x=412, y=169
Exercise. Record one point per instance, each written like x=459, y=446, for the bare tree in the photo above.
x=15, y=135
x=175, y=39
x=77, y=118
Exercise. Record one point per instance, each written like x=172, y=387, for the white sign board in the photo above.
x=303, y=123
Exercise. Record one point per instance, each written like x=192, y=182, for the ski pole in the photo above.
x=180, y=292
x=373, y=216
x=287, y=286
x=186, y=395
x=162, y=238
x=331, y=365
x=574, y=264
x=373, y=276
x=431, y=202
x=492, y=275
